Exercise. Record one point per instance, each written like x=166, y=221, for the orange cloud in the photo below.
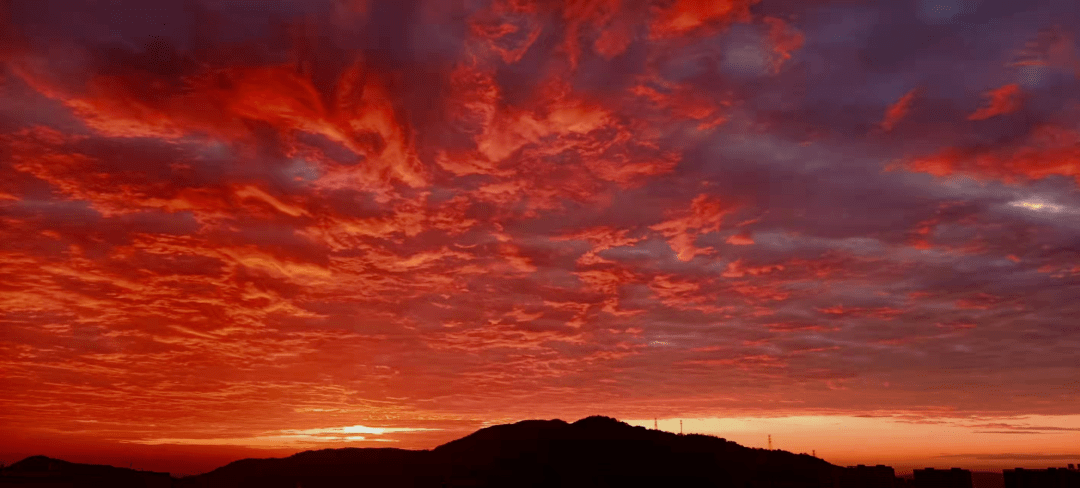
x=252, y=192
x=761, y=364
x=501, y=336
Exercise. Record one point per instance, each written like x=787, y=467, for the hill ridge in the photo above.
x=592, y=451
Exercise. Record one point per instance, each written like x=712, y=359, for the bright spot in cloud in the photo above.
x=1037, y=205
x=354, y=429
x=302, y=438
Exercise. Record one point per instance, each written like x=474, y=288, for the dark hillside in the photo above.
x=42, y=472
x=594, y=452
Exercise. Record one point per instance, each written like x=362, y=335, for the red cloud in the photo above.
x=601, y=238
x=886, y=313
x=665, y=287
x=613, y=40
x=761, y=364
x=918, y=235
x=215, y=102
x=253, y=193
x=508, y=28
x=735, y=269
x=500, y=336
x=1002, y=101
x=740, y=239
x=681, y=17
x=1051, y=47
x=980, y=301
x=897, y=111
x=798, y=327
x=606, y=281
x=784, y=40
x=604, y=16
x=681, y=102
x=957, y=325
x=705, y=215
x=683, y=294
x=761, y=293
x=1048, y=150
x=414, y=262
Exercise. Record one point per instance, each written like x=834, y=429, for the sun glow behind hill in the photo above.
x=902, y=440
x=294, y=438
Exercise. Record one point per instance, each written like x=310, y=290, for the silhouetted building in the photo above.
x=861, y=476
x=987, y=479
x=1042, y=478
x=942, y=478
x=1071, y=466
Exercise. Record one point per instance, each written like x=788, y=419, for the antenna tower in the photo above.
x=813, y=453
x=680, y=427
x=770, y=442
x=654, y=427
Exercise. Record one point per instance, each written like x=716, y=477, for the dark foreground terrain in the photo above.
x=594, y=452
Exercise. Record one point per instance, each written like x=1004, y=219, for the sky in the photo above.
x=249, y=228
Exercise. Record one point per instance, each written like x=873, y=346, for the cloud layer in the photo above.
x=236, y=220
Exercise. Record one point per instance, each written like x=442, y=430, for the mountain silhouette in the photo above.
x=41, y=472
x=594, y=452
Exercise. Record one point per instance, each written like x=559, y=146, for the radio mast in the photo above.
x=770, y=442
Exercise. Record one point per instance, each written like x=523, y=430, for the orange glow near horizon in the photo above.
x=981, y=444
x=236, y=229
